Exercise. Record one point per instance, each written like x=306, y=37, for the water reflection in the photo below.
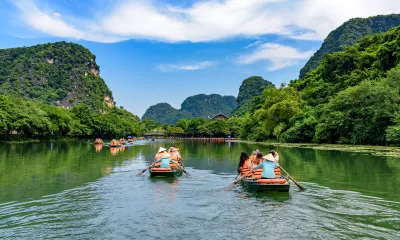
x=69, y=190
x=98, y=147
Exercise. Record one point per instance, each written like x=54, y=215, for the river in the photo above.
x=71, y=190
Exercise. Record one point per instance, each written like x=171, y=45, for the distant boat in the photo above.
x=114, y=143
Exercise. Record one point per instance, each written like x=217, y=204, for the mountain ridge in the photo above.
x=62, y=74
x=200, y=105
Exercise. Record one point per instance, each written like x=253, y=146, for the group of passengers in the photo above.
x=257, y=160
x=165, y=158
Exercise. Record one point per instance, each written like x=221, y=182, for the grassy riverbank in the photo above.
x=368, y=149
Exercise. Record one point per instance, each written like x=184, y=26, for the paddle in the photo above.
x=187, y=174
x=237, y=175
x=232, y=185
x=297, y=184
x=141, y=173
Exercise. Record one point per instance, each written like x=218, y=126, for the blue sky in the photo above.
x=166, y=50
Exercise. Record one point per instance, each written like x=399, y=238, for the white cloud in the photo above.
x=186, y=67
x=57, y=14
x=253, y=44
x=277, y=56
x=206, y=20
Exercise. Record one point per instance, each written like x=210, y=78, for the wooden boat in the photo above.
x=173, y=171
x=114, y=143
x=255, y=183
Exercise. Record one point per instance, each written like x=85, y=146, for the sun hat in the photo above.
x=161, y=149
x=269, y=157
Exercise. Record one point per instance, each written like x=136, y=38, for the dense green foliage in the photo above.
x=251, y=87
x=38, y=120
x=201, y=105
x=162, y=112
x=348, y=34
x=64, y=74
x=197, y=127
x=249, y=91
x=351, y=97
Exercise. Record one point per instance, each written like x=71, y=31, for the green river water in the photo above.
x=73, y=191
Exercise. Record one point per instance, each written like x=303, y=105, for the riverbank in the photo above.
x=367, y=149
x=27, y=140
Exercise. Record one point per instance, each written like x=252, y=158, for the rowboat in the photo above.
x=114, y=143
x=172, y=171
x=254, y=182
x=165, y=172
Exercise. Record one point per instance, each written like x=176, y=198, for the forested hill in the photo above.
x=351, y=97
x=348, y=34
x=62, y=74
x=201, y=105
x=249, y=92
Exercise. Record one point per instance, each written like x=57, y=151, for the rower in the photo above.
x=268, y=166
x=175, y=155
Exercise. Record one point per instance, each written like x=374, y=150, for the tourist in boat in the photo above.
x=164, y=157
x=256, y=160
x=114, y=143
x=275, y=154
x=243, y=158
x=268, y=166
x=175, y=155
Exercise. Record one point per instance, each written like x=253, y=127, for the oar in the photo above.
x=187, y=174
x=232, y=185
x=141, y=173
x=237, y=176
x=297, y=184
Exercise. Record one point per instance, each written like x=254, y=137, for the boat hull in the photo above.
x=174, y=172
x=253, y=186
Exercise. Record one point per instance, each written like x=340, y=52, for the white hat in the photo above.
x=161, y=149
x=269, y=157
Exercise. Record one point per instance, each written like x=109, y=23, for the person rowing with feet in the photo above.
x=163, y=157
x=268, y=166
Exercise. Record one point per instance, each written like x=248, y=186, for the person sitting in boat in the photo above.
x=243, y=158
x=256, y=160
x=275, y=154
x=268, y=166
x=175, y=155
x=164, y=157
